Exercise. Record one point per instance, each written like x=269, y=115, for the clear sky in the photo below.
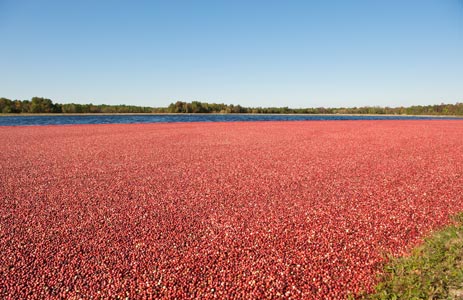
x=253, y=53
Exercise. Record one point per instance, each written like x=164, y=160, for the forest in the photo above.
x=44, y=105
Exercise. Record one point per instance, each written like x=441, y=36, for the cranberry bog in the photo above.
x=243, y=210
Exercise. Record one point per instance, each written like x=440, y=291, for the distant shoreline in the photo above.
x=218, y=114
x=39, y=105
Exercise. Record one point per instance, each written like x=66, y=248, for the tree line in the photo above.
x=44, y=105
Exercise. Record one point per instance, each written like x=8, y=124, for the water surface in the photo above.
x=167, y=118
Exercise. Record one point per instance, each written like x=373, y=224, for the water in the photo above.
x=130, y=119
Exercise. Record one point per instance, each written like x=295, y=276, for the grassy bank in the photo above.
x=434, y=270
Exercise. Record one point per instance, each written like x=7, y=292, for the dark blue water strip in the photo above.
x=130, y=119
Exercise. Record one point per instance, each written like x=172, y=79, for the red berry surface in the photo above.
x=250, y=210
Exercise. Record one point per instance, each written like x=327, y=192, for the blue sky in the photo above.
x=253, y=53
